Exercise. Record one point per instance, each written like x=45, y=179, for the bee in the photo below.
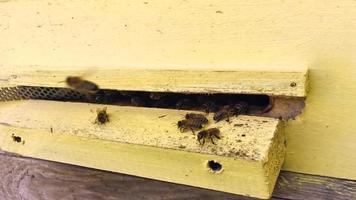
x=240, y=108
x=196, y=117
x=208, y=134
x=102, y=117
x=187, y=124
x=223, y=113
x=231, y=110
x=88, y=88
x=210, y=106
x=16, y=138
x=82, y=85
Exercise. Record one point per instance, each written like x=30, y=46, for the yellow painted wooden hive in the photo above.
x=43, y=118
x=291, y=51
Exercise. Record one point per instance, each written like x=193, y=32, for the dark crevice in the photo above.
x=259, y=105
x=214, y=166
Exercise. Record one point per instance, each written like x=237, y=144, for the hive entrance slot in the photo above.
x=259, y=105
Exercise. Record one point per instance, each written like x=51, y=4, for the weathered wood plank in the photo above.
x=139, y=141
x=25, y=178
x=302, y=186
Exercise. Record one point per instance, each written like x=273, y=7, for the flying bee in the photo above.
x=102, y=117
x=82, y=85
x=210, y=133
x=187, y=124
x=196, y=117
x=88, y=88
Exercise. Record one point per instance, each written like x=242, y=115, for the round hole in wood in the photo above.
x=214, y=166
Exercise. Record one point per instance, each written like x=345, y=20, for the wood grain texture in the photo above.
x=139, y=142
x=200, y=34
x=27, y=179
x=302, y=186
x=274, y=83
x=243, y=137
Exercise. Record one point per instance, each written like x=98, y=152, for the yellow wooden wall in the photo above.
x=253, y=35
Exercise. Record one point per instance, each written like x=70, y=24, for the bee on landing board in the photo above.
x=196, y=117
x=210, y=133
x=102, y=117
x=187, y=124
x=192, y=121
x=231, y=110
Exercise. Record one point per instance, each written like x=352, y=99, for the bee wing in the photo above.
x=83, y=74
x=89, y=72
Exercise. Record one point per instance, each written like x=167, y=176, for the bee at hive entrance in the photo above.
x=223, y=106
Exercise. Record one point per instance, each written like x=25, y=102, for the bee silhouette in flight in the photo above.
x=81, y=85
x=88, y=88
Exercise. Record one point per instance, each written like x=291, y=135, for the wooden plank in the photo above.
x=302, y=186
x=25, y=178
x=242, y=35
x=141, y=142
x=183, y=81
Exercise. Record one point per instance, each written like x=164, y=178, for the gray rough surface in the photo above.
x=27, y=179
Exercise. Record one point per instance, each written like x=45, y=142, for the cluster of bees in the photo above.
x=202, y=102
x=192, y=121
x=195, y=121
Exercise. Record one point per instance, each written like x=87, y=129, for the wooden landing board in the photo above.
x=146, y=142
x=28, y=178
x=165, y=80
